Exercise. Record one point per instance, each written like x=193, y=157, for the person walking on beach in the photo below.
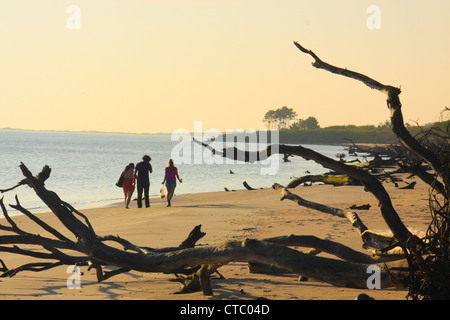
x=128, y=183
x=142, y=178
x=170, y=178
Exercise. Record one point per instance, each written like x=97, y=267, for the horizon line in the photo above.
x=167, y=133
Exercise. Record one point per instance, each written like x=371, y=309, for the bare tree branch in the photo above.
x=394, y=105
x=370, y=238
x=370, y=183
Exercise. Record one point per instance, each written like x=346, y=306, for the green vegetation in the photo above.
x=381, y=134
x=279, y=118
x=339, y=135
x=308, y=131
x=309, y=123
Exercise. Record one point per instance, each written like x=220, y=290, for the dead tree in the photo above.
x=428, y=261
x=428, y=264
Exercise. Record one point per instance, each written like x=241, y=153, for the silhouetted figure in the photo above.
x=142, y=171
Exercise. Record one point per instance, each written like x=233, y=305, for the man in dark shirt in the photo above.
x=141, y=172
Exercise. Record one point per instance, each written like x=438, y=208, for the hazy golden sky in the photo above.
x=157, y=66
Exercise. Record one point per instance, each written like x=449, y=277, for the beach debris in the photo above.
x=194, y=236
x=303, y=279
x=361, y=207
x=409, y=186
x=334, y=180
x=247, y=186
x=370, y=238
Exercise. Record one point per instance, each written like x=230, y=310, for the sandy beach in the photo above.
x=234, y=215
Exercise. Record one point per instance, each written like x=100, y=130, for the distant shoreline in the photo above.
x=335, y=135
x=80, y=132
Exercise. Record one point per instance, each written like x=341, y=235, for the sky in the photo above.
x=158, y=66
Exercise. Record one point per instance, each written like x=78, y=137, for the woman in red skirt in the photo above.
x=128, y=183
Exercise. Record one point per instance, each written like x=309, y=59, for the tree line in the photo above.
x=294, y=129
x=286, y=118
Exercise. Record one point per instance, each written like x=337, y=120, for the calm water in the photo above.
x=85, y=167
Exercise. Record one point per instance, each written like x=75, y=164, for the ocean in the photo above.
x=86, y=166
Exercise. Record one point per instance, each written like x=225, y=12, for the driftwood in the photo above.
x=394, y=105
x=200, y=262
x=361, y=207
x=41, y=176
x=423, y=273
x=370, y=238
x=370, y=183
x=409, y=186
x=398, y=157
x=247, y=186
